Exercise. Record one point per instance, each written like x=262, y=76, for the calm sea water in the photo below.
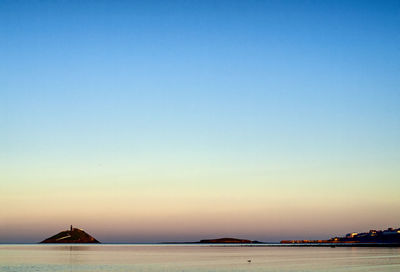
x=190, y=258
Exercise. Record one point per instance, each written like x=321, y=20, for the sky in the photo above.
x=149, y=121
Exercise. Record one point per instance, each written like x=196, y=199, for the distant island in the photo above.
x=388, y=236
x=227, y=241
x=73, y=235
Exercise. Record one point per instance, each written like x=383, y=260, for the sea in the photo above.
x=191, y=258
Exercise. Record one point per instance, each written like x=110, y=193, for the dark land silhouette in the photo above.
x=228, y=240
x=73, y=235
x=388, y=236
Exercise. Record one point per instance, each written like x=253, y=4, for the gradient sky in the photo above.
x=182, y=120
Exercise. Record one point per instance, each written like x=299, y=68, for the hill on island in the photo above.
x=227, y=240
x=74, y=235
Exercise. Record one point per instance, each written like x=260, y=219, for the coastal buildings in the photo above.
x=388, y=236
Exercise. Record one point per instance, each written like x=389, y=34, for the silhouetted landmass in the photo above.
x=219, y=241
x=227, y=240
x=73, y=235
x=389, y=236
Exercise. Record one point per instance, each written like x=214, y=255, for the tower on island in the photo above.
x=71, y=227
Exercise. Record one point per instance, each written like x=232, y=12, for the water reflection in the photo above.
x=119, y=258
x=70, y=248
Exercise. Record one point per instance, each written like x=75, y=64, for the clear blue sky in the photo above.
x=249, y=105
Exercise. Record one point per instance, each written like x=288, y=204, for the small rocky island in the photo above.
x=73, y=235
x=227, y=241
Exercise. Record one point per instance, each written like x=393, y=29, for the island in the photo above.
x=227, y=241
x=219, y=241
x=73, y=235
